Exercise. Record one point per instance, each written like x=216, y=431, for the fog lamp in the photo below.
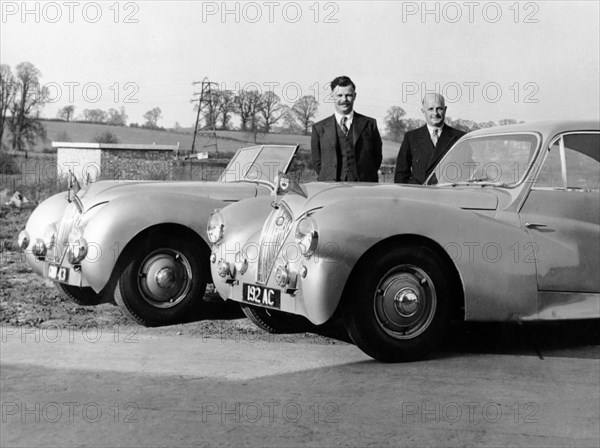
x=77, y=251
x=282, y=276
x=23, y=239
x=241, y=264
x=39, y=248
x=223, y=269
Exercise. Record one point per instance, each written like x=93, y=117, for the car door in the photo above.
x=561, y=215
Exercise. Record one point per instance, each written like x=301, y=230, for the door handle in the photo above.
x=533, y=225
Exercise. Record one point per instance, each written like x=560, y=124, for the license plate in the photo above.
x=261, y=296
x=56, y=272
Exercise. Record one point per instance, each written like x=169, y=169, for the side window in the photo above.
x=550, y=175
x=581, y=153
x=583, y=167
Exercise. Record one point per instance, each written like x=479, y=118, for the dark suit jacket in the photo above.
x=418, y=157
x=326, y=155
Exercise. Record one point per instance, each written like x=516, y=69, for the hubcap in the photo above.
x=165, y=278
x=405, y=302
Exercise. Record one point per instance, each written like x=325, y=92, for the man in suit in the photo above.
x=423, y=148
x=346, y=146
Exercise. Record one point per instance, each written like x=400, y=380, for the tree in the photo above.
x=225, y=105
x=117, y=118
x=395, y=126
x=463, y=125
x=7, y=95
x=152, y=117
x=290, y=124
x=24, y=124
x=94, y=115
x=271, y=110
x=247, y=106
x=305, y=109
x=506, y=121
x=66, y=113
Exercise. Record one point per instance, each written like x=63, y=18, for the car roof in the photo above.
x=547, y=128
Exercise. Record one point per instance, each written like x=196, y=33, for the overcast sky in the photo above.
x=492, y=60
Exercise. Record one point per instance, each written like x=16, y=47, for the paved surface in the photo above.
x=73, y=388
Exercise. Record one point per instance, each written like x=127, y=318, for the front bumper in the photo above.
x=314, y=291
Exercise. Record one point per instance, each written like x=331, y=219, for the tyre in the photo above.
x=398, y=310
x=163, y=279
x=81, y=296
x=274, y=321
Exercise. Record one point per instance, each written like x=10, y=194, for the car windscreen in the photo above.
x=502, y=159
x=258, y=163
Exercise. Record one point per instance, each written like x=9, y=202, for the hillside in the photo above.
x=227, y=141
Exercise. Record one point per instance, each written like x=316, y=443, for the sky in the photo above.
x=528, y=60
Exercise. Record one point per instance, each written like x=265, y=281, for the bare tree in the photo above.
x=305, y=109
x=225, y=105
x=152, y=117
x=248, y=104
x=7, y=95
x=66, y=113
x=271, y=110
x=290, y=124
x=24, y=124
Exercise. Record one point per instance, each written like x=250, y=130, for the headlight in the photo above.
x=307, y=236
x=78, y=246
x=215, y=227
x=50, y=236
x=77, y=251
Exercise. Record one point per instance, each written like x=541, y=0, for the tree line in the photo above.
x=22, y=99
x=257, y=112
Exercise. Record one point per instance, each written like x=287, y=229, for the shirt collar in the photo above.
x=432, y=128
x=338, y=118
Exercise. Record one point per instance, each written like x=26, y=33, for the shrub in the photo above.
x=105, y=137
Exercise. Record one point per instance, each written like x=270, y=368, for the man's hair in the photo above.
x=342, y=81
x=437, y=96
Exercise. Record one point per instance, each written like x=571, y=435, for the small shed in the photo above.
x=116, y=161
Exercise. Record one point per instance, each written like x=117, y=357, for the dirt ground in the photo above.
x=27, y=300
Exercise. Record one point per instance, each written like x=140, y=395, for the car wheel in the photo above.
x=398, y=310
x=85, y=296
x=163, y=279
x=274, y=321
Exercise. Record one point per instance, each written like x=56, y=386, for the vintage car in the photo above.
x=506, y=228
x=142, y=242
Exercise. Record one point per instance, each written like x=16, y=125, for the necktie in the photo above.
x=434, y=137
x=343, y=125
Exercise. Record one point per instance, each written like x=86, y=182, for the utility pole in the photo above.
x=205, y=97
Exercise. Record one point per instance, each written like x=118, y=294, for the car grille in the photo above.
x=70, y=216
x=273, y=235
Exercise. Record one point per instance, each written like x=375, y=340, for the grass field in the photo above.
x=227, y=141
